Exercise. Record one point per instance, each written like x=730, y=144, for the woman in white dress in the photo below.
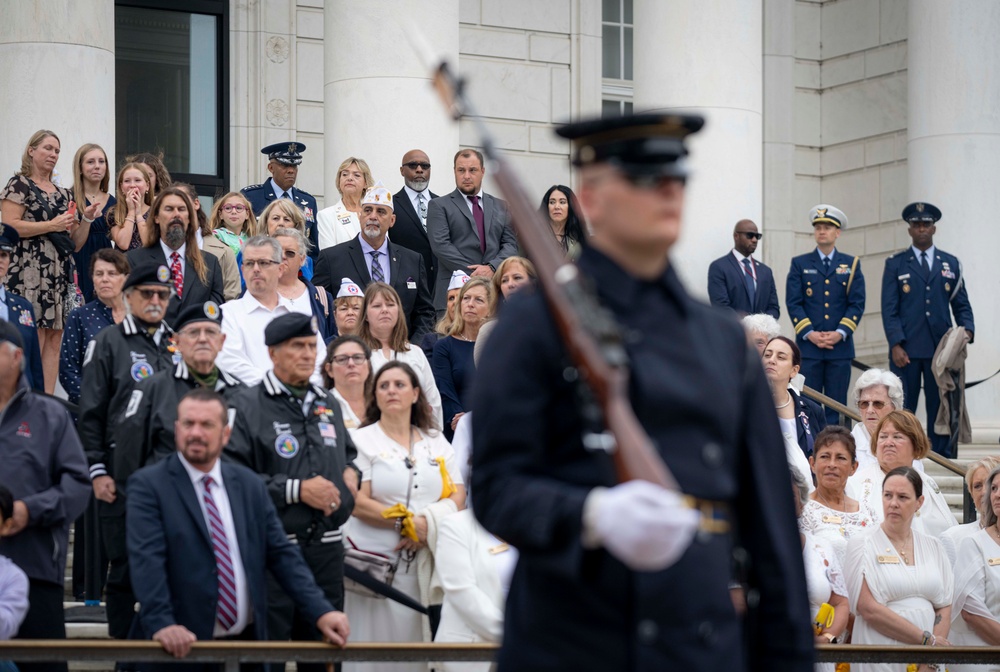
x=876, y=394
x=899, y=580
x=383, y=328
x=829, y=514
x=976, y=609
x=341, y=222
x=347, y=373
x=409, y=484
x=782, y=360
x=975, y=480
x=824, y=578
x=900, y=439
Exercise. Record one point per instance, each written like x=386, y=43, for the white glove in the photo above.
x=645, y=526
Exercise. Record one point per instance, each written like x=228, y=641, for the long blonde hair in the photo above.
x=33, y=142
x=458, y=323
x=117, y=216
x=79, y=193
x=250, y=226
x=289, y=208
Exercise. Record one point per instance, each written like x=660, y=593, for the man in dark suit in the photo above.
x=922, y=287
x=17, y=310
x=196, y=277
x=373, y=257
x=410, y=202
x=739, y=281
x=283, y=159
x=469, y=231
x=825, y=297
x=202, y=537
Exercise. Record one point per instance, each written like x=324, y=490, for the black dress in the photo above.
x=97, y=240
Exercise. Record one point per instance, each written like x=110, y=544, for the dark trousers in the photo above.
x=284, y=621
x=45, y=620
x=831, y=377
x=911, y=375
x=118, y=589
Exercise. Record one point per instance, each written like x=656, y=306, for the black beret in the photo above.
x=198, y=312
x=8, y=237
x=642, y=144
x=149, y=273
x=9, y=333
x=286, y=327
x=287, y=153
x=921, y=212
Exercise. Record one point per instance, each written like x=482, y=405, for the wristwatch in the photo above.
x=830, y=637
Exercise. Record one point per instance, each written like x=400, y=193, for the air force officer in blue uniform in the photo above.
x=17, y=310
x=739, y=281
x=283, y=161
x=825, y=297
x=922, y=287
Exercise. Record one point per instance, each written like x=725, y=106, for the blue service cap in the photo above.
x=287, y=153
x=921, y=212
x=8, y=237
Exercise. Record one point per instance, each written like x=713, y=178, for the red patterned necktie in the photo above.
x=226, y=611
x=175, y=270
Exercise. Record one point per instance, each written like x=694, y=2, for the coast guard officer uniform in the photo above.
x=825, y=297
x=280, y=156
x=922, y=287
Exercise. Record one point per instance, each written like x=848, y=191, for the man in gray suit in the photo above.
x=468, y=230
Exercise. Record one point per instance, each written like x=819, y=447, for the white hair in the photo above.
x=888, y=379
x=762, y=323
x=294, y=234
x=267, y=241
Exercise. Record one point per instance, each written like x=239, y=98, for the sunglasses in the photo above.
x=752, y=236
x=161, y=294
x=877, y=405
x=413, y=165
x=291, y=254
x=233, y=208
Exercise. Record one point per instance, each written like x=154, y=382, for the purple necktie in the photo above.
x=226, y=611
x=477, y=214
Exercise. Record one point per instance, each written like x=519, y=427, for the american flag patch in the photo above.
x=327, y=430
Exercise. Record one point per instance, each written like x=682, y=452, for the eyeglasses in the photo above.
x=263, y=263
x=342, y=360
x=233, y=208
x=413, y=165
x=161, y=294
x=752, y=236
x=198, y=332
x=877, y=405
x=291, y=254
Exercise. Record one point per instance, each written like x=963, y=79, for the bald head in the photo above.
x=416, y=170
x=744, y=244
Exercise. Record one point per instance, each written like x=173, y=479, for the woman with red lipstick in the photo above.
x=560, y=206
x=899, y=580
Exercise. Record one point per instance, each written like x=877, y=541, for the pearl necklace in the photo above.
x=778, y=408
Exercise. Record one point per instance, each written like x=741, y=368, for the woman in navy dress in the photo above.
x=90, y=185
x=452, y=363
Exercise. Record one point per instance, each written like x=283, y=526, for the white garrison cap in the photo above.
x=458, y=278
x=378, y=195
x=349, y=288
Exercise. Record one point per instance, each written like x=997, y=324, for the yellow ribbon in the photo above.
x=408, y=530
x=447, y=485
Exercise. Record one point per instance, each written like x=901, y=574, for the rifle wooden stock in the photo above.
x=594, y=345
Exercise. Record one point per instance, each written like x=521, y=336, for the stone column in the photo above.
x=59, y=74
x=705, y=56
x=377, y=91
x=954, y=161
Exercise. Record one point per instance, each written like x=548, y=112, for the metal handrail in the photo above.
x=231, y=653
x=968, y=506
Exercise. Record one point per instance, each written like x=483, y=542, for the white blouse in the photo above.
x=933, y=518
x=977, y=591
x=836, y=527
x=417, y=360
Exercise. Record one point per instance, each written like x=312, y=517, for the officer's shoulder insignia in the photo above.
x=211, y=309
x=286, y=445
x=163, y=274
x=133, y=403
x=252, y=186
x=90, y=352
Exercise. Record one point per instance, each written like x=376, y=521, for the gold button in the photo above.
x=827, y=282
x=827, y=293
x=826, y=317
x=826, y=305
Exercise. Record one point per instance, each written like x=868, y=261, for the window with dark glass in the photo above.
x=171, y=84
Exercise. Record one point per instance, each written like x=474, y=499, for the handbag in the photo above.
x=379, y=566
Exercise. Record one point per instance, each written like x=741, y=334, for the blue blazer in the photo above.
x=917, y=309
x=170, y=552
x=810, y=419
x=726, y=287
x=261, y=195
x=22, y=316
x=817, y=300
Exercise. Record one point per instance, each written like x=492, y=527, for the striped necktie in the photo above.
x=226, y=612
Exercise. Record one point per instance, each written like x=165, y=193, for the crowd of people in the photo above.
x=273, y=416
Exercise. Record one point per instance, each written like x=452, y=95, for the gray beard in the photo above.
x=416, y=185
x=371, y=232
x=175, y=237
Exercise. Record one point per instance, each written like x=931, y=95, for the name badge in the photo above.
x=888, y=560
x=501, y=548
x=836, y=520
x=410, y=284
x=993, y=562
x=905, y=276
x=809, y=270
